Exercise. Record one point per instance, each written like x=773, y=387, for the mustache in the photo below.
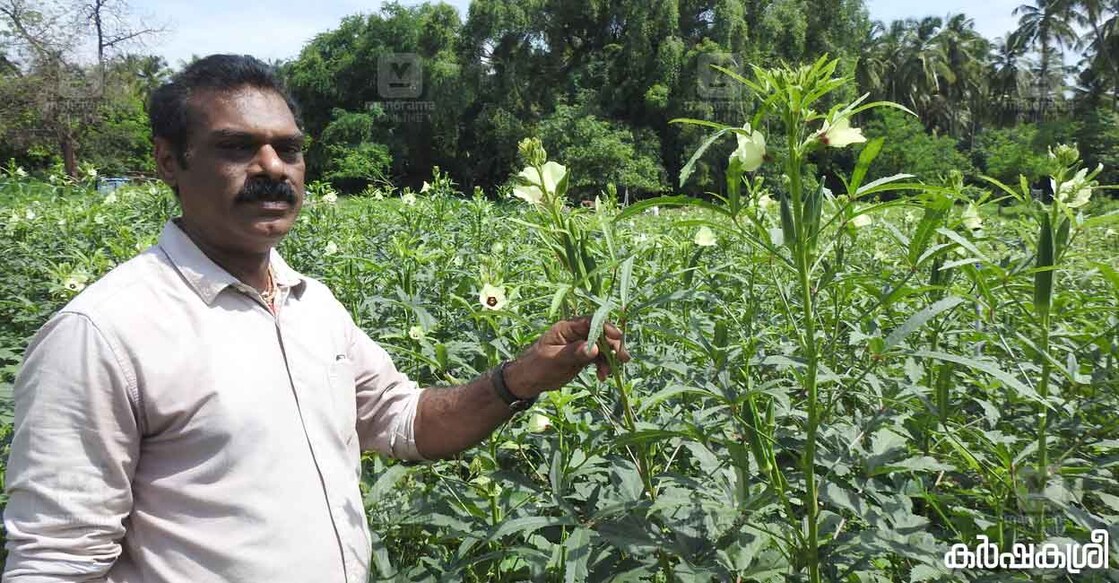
x=263, y=189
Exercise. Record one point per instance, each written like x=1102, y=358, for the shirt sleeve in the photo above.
x=386, y=400
x=74, y=450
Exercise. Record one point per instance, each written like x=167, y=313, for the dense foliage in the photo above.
x=928, y=367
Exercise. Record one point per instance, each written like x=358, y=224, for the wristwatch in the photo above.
x=516, y=404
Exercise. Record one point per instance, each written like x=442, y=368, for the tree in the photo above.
x=66, y=96
x=1046, y=23
x=602, y=152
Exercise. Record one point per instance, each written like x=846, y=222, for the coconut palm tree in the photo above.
x=1046, y=24
x=1102, y=18
x=1010, y=77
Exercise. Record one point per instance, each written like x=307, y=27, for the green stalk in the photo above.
x=803, y=265
x=1043, y=301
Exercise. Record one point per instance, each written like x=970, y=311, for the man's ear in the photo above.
x=167, y=162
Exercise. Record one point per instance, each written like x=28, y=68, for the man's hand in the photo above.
x=559, y=355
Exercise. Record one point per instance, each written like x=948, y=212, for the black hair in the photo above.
x=169, y=112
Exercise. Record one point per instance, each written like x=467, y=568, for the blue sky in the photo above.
x=276, y=30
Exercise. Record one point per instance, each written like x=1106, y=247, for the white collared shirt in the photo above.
x=168, y=427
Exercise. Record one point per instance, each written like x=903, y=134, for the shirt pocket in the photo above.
x=343, y=398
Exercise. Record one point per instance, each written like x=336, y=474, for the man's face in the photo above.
x=242, y=185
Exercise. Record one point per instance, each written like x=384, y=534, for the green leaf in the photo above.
x=626, y=281
x=887, y=183
x=987, y=368
x=527, y=525
x=917, y=320
x=597, y=322
x=687, y=170
x=869, y=153
x=963, y=242
x=558, y=298
x=578, y=551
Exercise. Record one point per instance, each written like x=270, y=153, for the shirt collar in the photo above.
x=206, y=277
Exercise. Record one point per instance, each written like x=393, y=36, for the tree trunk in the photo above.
x=69, y=156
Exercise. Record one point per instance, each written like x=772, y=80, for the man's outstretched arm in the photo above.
x=449, y=420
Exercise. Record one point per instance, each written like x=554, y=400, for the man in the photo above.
x=198, y=413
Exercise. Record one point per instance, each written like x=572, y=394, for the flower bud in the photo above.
x=532, y=151
x=1065, y=155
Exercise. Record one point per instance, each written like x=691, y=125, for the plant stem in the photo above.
x=802, y=249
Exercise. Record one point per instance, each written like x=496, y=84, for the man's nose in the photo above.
x=270, y=164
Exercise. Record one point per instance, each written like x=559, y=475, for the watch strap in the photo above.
x=514, y=402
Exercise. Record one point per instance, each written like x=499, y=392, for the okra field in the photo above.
x=831, y=380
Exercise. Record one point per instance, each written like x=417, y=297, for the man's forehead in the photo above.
x=241, y=109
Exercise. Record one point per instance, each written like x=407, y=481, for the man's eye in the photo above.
x=236, y=147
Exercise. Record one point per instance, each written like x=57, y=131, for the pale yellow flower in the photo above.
x=539, y=423
x=330, y=249
x=530, y=194
x=765, y=201
x=30, y=215
x=330, y=198
x=971, y=217
x=1074, y=193
x=535, y=186
x=110, y=199
x=408, y=198
x=21, y=172
x=705, y=237
x=492, y=297
x=416, y=333
x=426, y=187
x=75, y=282
x=840, y=134
x=751, y=149
x=860, y=221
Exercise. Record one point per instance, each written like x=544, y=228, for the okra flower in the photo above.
x=840, y=134
x=416, y=333
x=751, y=149
x=1075, y=193
x=535, y=185
x=492, y=297
x=408, y=198
x=330, y=198
x=426, y=187
x=860, y=221
x=705, y=237
x=75, y=282
x=971, y=218
x=331, y=249
x=539, y=423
